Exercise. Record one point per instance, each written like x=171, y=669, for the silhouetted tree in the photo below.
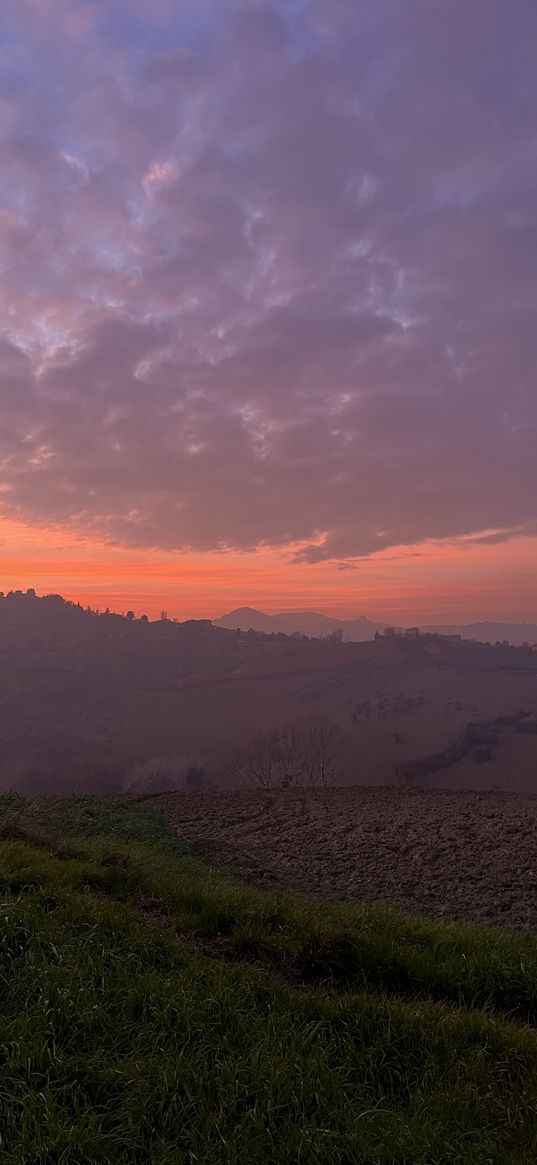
x=297, y=756
x=258, y=763
x=325, y=754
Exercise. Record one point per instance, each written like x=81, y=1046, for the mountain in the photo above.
x=316, y=625
x=246, y=619
x=514, y=633
x=310, y=623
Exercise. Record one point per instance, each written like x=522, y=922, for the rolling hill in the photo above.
x=94, y=702
x=362, y=629
x=309, y=623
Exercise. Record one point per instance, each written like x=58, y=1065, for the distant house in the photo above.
x=534, y=647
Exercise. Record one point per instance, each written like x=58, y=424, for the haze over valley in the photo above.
x=103, y=702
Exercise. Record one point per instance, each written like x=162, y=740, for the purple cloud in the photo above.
x=268, y=271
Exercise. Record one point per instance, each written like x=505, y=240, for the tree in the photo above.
x=259, y=761
x=131, y=616
x=326, y=752
x=308, y=756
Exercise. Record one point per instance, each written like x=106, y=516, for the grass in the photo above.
x=242, y=1027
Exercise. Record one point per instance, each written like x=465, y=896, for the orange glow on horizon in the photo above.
x=432, y=582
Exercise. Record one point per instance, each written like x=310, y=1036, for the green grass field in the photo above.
x=155, y=1011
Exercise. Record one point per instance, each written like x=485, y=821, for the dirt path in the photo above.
x=453, y=855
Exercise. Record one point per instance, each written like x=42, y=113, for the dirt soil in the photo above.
x=451, y=855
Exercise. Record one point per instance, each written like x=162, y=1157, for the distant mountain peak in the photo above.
x=243, y=611
x=317, y=625
x=306, y=622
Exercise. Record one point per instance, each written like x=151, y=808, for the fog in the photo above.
x=106, y=703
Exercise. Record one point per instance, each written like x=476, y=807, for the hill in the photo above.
x=156, y=1010
x=309, y=623
x=101, y=702
x=514, y=633
x=362, y=629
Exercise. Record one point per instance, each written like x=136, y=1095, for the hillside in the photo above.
x=362, y=629
x=309, y=623
x=101, y=702
x=155, y=1010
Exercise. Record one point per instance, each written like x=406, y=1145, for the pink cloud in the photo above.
x=269, y=279
x=157, y=175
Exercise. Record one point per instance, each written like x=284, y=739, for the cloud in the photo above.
x=158, y=174
x=269, y=272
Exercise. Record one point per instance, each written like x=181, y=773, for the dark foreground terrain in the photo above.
x=152, y=1009
x=455, y=855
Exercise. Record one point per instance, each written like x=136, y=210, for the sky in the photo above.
x=268, y=316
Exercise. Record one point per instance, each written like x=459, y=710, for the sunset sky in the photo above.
x=268, y=305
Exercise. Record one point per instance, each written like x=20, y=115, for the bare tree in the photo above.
x=326, y=754
x=259, y=761
x=297, y=756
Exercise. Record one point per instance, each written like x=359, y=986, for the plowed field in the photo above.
x=458, y=855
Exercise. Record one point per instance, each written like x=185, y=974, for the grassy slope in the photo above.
x=125, y=1039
